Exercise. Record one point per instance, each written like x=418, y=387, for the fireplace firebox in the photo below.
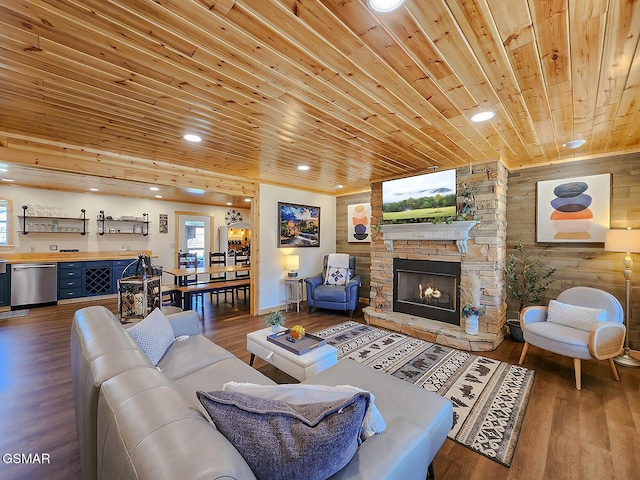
x=427, y=288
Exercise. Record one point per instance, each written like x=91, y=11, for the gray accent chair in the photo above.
x=335, y=297
x=603, y=342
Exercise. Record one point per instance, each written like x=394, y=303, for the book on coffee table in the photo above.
x=299, y=346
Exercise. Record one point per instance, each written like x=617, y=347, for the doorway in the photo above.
x=194, y=235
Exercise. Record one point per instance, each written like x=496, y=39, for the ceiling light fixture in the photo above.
x=384, y=6
x=195, y=191
x=339, y=186
x=2, y=169
x=574, y=143
x=158, y=196
x=154, y=189
x=229, y=204
x=192, y=138
x=94, y=189
x=7, y=180
x=247, y=199
x=303, y=168
x=483, y=116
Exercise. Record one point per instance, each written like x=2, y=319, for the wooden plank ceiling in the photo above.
x=107, y=88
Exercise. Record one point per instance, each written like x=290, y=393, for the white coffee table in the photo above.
x=298, y=366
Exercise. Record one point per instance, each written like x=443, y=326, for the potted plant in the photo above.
x=473, y=308
x=527, y=281
x=275, y=320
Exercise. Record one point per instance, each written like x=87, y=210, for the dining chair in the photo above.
x=219, y=259
x=242, y=275
x=190, y=260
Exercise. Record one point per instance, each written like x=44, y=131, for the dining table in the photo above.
x=181, y=274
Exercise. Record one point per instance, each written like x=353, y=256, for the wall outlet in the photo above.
x=53, y=247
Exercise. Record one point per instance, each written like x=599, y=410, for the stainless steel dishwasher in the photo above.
x=33, y=284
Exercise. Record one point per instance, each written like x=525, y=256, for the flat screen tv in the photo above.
x=419, y=198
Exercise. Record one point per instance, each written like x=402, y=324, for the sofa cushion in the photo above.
x=189, y=355
x=575, y=316
x=280, y=440
x=330, y=293
x=154, y=334
x=214, y=376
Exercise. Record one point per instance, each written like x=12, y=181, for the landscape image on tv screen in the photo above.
x=427, y=196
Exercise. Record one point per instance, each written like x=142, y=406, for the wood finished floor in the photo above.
x=566, y=435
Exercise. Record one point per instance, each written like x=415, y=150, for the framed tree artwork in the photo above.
x=298, y=225
x=574, y=209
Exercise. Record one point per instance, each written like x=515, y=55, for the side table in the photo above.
x=293, y=292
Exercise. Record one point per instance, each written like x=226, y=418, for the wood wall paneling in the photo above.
x=580, y=264
x=362, y=251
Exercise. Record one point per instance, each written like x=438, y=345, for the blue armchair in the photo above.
x=335, y=297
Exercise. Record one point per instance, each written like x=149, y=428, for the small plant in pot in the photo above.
x=527, y=281
x=275, y=320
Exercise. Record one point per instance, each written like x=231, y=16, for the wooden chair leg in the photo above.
x=578, y=368
x=614, y=369
x=525, y=349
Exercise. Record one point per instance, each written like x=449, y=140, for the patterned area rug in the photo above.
x=13, y=314
x=489, y=397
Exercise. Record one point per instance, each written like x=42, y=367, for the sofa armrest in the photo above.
x=313, y=282
x=353, y=287
x=532, y=315
x=185, y=323
x=606, y=340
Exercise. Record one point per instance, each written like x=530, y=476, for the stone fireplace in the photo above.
x=427, y=288
x=475, y=247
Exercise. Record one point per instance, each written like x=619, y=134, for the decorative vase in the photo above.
x=275, y=328
x=471, y=325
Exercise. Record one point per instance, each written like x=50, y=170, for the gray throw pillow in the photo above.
x=154, y=335
x=279, y=440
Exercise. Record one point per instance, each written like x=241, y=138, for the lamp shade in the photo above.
x=626, y=240
x=293, y=262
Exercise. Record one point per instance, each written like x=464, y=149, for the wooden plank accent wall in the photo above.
x=361, y=250
x=581, y=264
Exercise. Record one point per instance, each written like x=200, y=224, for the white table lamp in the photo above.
x=293, y=264
x=626, y=241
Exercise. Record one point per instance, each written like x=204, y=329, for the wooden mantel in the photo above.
x=458, y=231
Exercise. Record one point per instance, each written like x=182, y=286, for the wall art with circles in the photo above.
x=574, y=209
x=359, y=222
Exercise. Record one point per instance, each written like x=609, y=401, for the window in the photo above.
x=5, y=232
x=195, y=236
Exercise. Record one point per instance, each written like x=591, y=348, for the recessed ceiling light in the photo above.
x=2, y=169
x=158, y=196
x=7, y=180
x=339, y=186
x=195, y=191
x=229, y=203
x=574, y=143
x=384, y=6
x=247, y=199
x=192, y=138
x=303, y=168
x=154, y=189
x=94, y=190
x=483, y=116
